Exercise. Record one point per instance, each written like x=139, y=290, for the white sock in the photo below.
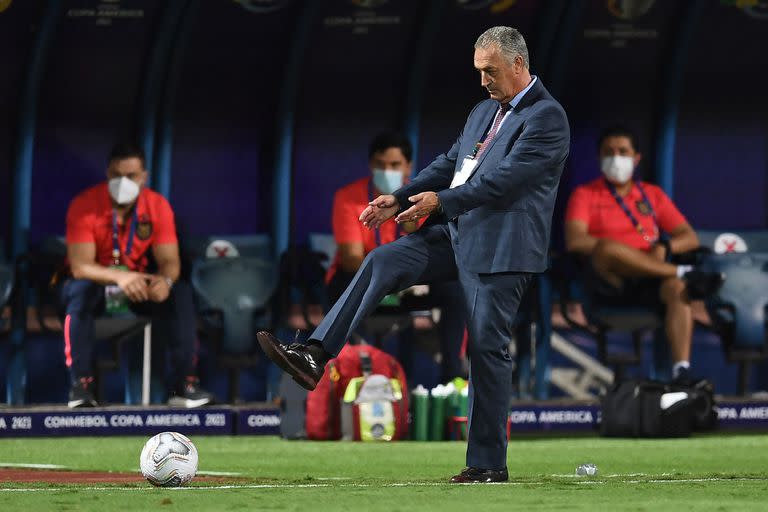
x=679, y=366
x=683, y=269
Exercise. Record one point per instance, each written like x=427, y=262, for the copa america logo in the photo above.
x=495, y=6
x=629, y=9
x=757, y=9
x=474, y=5
x=262, y=6
x=368, y=4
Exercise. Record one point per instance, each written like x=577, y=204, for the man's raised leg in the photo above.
x=423, y=256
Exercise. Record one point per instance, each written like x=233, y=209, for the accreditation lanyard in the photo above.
x=376, y=231
x=116, y=239
x=635, y=222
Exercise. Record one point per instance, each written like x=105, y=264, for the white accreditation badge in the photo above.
x=467, y=166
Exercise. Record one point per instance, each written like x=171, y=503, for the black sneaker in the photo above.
x=81, y=394
x=190, y=395
x=701, y=285
x=683, y=378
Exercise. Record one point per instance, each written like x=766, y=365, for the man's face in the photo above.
x=391, y=159
x=619, y=146
x=131, y=168
x=497, y=75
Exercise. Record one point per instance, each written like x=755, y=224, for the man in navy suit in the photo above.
x=495, y=191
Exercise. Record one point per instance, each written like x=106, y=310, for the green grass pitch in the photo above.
x=718, y=473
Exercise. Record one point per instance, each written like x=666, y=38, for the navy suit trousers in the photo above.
x=491, y=302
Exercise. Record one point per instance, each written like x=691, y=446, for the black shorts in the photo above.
x=637, y=292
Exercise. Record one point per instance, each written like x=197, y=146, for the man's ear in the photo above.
x=638, y=157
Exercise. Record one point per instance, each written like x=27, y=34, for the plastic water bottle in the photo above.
x=588, y=469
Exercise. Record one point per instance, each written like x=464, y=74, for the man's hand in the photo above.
x=379, y=211
x=423, y=204
x=159, y=290
x=134, y=285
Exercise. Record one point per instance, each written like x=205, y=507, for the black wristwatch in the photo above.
x=667, y=248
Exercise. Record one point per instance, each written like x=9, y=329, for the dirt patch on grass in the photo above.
x=83, y=477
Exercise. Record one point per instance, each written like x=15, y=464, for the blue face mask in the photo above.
x=387, y=181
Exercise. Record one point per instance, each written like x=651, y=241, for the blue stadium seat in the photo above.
x=234, y=299
x=738, y=310
x=323, y=243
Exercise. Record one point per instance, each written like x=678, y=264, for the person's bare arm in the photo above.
x=683, y=239
x=351, y=256
x=168, y=268
x=83, y=265
x=578, y=239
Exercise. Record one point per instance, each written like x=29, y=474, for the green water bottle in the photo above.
x=420, y=413
x=438, y=401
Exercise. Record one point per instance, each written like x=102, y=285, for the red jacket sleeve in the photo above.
x=165, y=225
x=578, y=206
x=346, y=226
x=80, y=222
x=666, y=212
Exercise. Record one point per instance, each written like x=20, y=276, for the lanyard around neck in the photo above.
x=632, y=218
x=376, y=231
x=116, y=238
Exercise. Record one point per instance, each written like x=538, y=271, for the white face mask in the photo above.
x=618, y=169
x=387, y=181
x=123, y=190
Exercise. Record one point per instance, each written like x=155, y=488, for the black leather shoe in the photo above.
x=480, y=476
x=305, y=363
x=701, y=285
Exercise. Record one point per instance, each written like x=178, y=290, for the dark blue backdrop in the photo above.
x=353, y=83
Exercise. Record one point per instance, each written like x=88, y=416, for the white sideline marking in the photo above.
x=677, y=481
x=401, y=484
x=615, y=475
x=30, y=466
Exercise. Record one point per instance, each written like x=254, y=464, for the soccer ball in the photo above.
x=169, y=459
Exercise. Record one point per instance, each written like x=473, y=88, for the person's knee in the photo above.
x=605, y=251
x=381, y=260
x=81, y=296
x=181, y=290
x=672, y=290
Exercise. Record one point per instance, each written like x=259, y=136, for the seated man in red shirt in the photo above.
x=111, y=229
x=389, y=161
x=629, y=229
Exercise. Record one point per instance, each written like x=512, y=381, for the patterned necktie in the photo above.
x=503, y=109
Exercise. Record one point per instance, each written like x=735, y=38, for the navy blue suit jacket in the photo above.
x=503, y=213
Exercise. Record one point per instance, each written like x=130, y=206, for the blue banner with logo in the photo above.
x=258, y=422
x=116, y=422
x=551, y=418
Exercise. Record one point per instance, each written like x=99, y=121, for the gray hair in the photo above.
x=509, y=41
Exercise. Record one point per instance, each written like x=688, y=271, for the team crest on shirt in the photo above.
x=642, y=207
x=144, y=229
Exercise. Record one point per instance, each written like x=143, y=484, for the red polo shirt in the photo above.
x=348, y=203
x=89, y=220
x=594, y=205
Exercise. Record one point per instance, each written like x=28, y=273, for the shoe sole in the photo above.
x=278, y=357
x=74, y=404
x=472, y=482
x=188, y=403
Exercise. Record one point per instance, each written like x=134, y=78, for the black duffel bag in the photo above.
x=644, y=408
